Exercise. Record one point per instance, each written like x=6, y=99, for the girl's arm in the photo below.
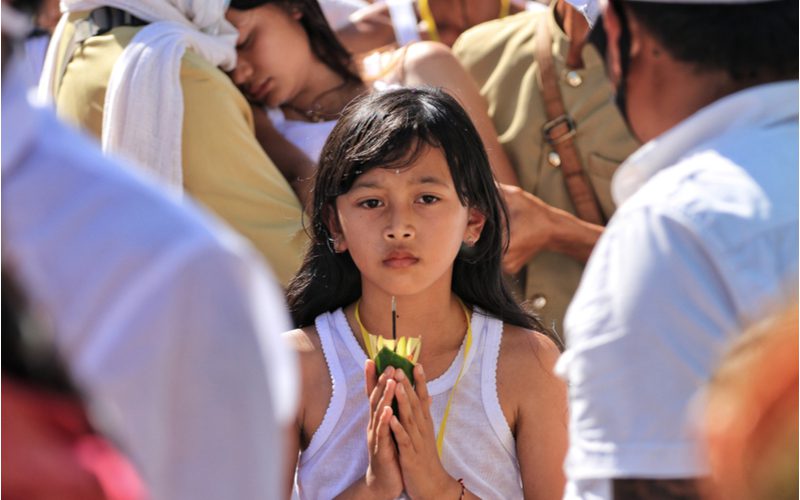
x=534, y=401
x=316, y=391
x=432, y=63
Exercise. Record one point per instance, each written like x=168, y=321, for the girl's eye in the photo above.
x=371, y=203
x=428, y=199
x=244, y=45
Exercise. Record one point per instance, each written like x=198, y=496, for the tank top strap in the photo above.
x=328, y=334
x=492, y=336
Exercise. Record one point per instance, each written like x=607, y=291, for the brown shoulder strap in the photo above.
x=560, y=128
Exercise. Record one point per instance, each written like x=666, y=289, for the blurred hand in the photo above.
x=39, y=430
x=530, y=223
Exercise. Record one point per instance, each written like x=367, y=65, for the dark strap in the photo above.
x=100, y=21
x=560, y=128
x=105, y=19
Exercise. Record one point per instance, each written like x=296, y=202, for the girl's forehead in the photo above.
x=430, y=166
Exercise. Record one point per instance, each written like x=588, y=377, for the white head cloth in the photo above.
x=143, y=109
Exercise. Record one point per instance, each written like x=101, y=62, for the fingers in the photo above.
x=384, y=440
x=404, y=442
x=370, y=376
x=381, y=418
x=422, y=386
x=378, y=394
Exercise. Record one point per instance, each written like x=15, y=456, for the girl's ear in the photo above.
x=296, y=14
x=338, y=244
x=475, y=221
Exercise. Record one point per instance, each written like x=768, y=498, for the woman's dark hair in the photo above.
x=750, y=41
x=324, y=43
x=391, y=129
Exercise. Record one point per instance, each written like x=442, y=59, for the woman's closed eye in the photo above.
x=246, y=43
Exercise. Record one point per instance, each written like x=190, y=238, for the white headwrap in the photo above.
x=143, y=109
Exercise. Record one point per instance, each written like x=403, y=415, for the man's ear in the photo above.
x=331, y=218
x=613, y=29
x=475, y=222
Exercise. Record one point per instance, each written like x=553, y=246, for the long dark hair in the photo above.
x=390, y=129
x=324, y=43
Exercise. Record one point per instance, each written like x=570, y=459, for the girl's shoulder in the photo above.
x=527, y=387
x=526, y=351
x=412, y=64
x=529, y=342
x=307, y=344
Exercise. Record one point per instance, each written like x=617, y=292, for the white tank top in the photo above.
x=478, y=444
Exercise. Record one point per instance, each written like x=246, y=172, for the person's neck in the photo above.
x=679, y=91
x=576, y=28
x=435, y=315
x=325, y=94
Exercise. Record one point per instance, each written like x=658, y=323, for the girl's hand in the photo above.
x=422, y=471
x=383, y=477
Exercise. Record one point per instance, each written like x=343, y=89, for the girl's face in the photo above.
x=274, y=55
x=404, y=228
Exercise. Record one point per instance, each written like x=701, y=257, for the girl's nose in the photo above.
x=242, y=73
x=399, y=228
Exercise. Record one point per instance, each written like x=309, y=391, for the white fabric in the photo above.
x=404, y=21
x=310, y=137
x=143, y=109
x=337, y=12
x=166, y=320
x=589, y=8
x=35, y=52
x=478, y=444
x=704, y=244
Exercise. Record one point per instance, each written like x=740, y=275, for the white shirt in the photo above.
x=166, y=320
x=705, y=243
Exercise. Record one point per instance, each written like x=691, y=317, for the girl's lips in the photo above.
x=261, y=91
x=400, y=260
x=400, y=263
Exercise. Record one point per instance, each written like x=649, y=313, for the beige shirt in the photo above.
x=224, y=167
x=500, y=57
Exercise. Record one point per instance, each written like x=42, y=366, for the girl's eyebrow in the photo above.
x=364, y=185
x=430, y=179
x=427, y=179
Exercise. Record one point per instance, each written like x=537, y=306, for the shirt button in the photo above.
x=538, y=301
x=574, y=79
x=553, y=159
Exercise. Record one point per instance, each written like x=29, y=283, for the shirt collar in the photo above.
x=754, y=107
x=21, y=120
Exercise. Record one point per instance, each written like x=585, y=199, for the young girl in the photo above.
x=289, y=60
x=405, y=207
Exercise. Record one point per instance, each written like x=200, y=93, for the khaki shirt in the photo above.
x=224, y=166
x=500, y=57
